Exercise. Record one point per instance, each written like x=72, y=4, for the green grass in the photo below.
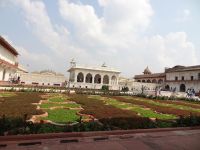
x=67, y=105
x=182, y=107
x=7, y=94
x=136, y=108
x=62, y=116
x=57, y=99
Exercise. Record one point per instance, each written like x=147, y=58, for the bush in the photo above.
x=188, y=121
x=127, y=123
x=125, y=89
x=105, y=88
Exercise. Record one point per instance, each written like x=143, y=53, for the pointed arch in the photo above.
x=106, y=79
x=113, y=80
x=154, y=81
x=88, y=78
x=80, y=77
x=148, y=81
x=97, y=79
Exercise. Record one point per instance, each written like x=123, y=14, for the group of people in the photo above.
x=190, y=93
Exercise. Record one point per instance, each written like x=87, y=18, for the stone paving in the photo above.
x=165, y=140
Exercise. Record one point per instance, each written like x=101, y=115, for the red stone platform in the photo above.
x=145, y=139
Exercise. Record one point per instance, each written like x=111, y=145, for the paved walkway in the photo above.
x=165, y=140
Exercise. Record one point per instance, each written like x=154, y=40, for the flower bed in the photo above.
x=161, y=109
x=140, y=110
x=20, y=104
x=99, y=110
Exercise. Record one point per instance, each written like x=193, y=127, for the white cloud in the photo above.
x=38, y=20
x=170, y=50
x=27, y=58
x=115, y=37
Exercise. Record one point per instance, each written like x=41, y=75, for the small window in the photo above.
x=42, y=83
x=48, y=83
x=176, y=78
x=182, y=78
x=86, y=87
x=192, y=78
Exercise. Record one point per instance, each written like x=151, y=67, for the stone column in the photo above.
x=84, y=77
x=75, y=77
x=93, y=78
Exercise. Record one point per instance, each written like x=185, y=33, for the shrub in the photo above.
x=105, y=88
x=127, y=123
x=188, y=121
x=125, y=89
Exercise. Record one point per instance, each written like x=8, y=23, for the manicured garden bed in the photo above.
x=98, y=109
x=158, y=108
x=110, y=113
x=65, y=105
x=169, y=105
x=193, y=104
x=62, y=116
x=20, y=104
x=60, y=109
x=7, y=94
x=144, y=112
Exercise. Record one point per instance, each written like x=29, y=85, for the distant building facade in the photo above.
x=137, y=87
x=93, y=77
x=182, y=78
x=149, y=77
x=43, y=78
x=8, y=61
x=178, y=78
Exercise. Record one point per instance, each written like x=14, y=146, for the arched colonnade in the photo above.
x=96, y=78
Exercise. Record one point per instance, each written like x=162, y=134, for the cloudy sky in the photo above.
x=126, y=34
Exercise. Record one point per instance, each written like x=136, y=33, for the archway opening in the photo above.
x=4, y=74
x=106, y=79
x=97, y=79
x=154, y=81
x=148, y=81
x=167, y=87
x=114, y=80
x=182, y=88
x=88, y=78
x=80, y=77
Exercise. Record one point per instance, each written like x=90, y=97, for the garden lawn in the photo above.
x=160, y=109
x=193, y=104
x=99, y=109
x=136, y=108
x=158, y=103
x=62, y=116
x=57, y=99
x=7, y=94
x=65, y=105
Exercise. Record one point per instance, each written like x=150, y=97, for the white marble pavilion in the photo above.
x=93, y=77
